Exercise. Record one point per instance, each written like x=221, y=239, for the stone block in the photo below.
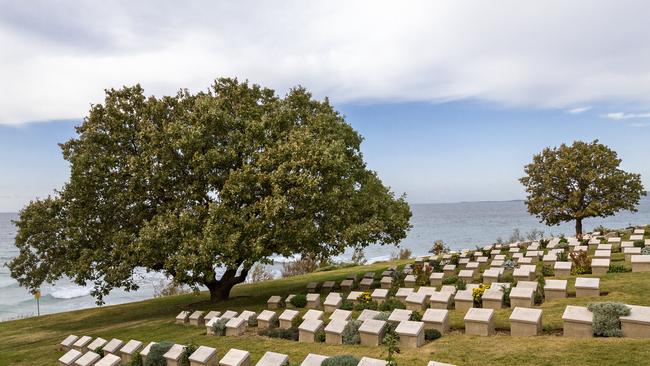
x=411, y=334
x=472, y=266
x=110, y=360
x=549, y=259
x=332, y=302
x=441, y=300
x=402, y=293
x=97, y=344
x=204, y=356
x=525, y=322
x=479, y=321
x=366, y=284
x=367, y=314
x=630, y=251
x=522, y=297
x=354, y=296
x=328, y=286
x=266, y=318
x=197, y=318
x=347, y=285
x=492, y=275
x=409, y=281
x=636, y=237
x=640, y=263
x=614, y=240
x=273, y=302
x=367, y=361
x=229, y=314
x=236, y=327
x=605, y=247
x=307, y=330
x=386, y=282
x=174, y=354
x=522, y=274
x=436, y=319
x=587, y=287
x=599, y=266
x=493, y=299
x=313, y=315
x=313, y=359
x=555, y=289
x=369, y=275
x=313, y=301
x=463, y=300
x=577, y=321
x=372, y=332
x=399, y=315
x=416, y=301
x=67, y=343
x=379, y=295
x=339, y=314
x=334, y=330
x=236, y=357
x=466, y=275
x=145, y=352
x=637, y=324
x=183, y=318
x=562, y=269
x=427, y=292
x=312, y=287
x=211, y=314
x=435, y=279
x=88, y=359
x=69, y=357
x=273, y=359
x=449, y=270
x=129, y=350
x=82, y=343
x=435, y=363
x=113, y=346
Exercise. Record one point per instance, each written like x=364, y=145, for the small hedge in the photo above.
x=299, y=301
x=290, y=334
x=342, y=360
x=618, y=268
x=219, y=327
x=155, y=357
x=391, y=304
x=606, y=318
x=350, y=333
x=431, y=334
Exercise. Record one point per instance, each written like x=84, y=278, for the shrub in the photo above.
x=350, y=333
x=365, y=297
x=639, y=244
x=391, y=341
x=260, y=273
x=461, y=285
x=421, y=274
x=156, y=353
x=618, y=268
x=439, y=247
x=319, y=336
x=290, y=334
x=295, y=322
x=415, y=316
x=509, y=264
x=606, y=321
x=506, y=295
x=436, y=265
x=384, y=315
x=341, y=360
x=562, y=256
x=450, y=280
x=547, y=271
x=185, y=356
x=358, y=257
x=539, y=293
x=402, y=254
x=432, y=334
x=455, y=258
x=372, y=305
x=299, y=301
x=347, y=305
x=477, y=294
x=508, y=277
x=302, y=266
x=581, y=263
x=391, y=304
x=252, y=320
x=219, y=327
x=136, y=360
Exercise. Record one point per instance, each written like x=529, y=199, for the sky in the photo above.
x=453, y=97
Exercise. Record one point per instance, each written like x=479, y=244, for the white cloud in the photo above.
x=622, y=115
x=57, y=57
x=578, y=110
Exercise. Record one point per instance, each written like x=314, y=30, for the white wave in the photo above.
x=69, y=292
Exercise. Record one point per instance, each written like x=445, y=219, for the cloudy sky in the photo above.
x=453, y=97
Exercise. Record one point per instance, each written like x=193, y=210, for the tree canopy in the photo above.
x=579, y=181
x=191, y=183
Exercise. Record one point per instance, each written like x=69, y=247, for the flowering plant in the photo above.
x=477, y=294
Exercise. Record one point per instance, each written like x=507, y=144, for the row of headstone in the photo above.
x=85, y=351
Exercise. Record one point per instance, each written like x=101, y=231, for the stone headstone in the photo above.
x=273, y=359
x=110, y=360
x=235, y=357
x=313, y=359
x=69, y=357
x=88, y=359
x=204, y=356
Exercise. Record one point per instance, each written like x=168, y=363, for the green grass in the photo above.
x=33, y=341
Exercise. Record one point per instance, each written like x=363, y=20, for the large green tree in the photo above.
x=197, y=184
x=574, y=182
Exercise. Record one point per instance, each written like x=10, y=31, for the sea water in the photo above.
x=461, y=225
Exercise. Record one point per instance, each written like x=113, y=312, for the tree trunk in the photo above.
x=220, y=289
x=579, y=228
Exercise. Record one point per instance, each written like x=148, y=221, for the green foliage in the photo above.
x=299, y=301
x=319, y=336
x=136, y=360
x=436, y=265
x=547, y=270
x=350, y=333
x=391, y=304
x=451, y=280
x=422, y=274
x=581, y=263
x=404, y=253
x=290, y=334
x=185, y=356
x=477, y=294
x=506, y=295
x=455, y=258
x=155, y=357
x=439, y=247
x=219, y=327
x=391, y=342
x=371, y=305
x=562, y=256
x=252, y=320
x=460, y=285
x=579, y=181
x=188, y=183
x=340, y=360
x=432, y=334
x=639, y=243
x=346, y=305
x=539, y=295
x=509, y=264
x=606, y=321
x=384, y=315
x=618, y=268
x=415, y=316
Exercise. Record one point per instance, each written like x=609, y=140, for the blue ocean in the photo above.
x=461, y=225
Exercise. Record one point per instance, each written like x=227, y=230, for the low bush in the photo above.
x=155, y=357
x=372, y=305
x=581, y=263
x=252, y=320
x=451, y=280
x=384, y=315
x=219, y=327
x=350, y=333
x=341, y=360
x=562, y=256
x=461, y=285
x=290, y=334
x=547, y=271
x=509, y=264
x=606, y=321
x=299, y=301
x=391, y=304
x=415, y=316
x=319, y=336
x=346, y=305
x=639, y=244
x=185, y=356
x=136, y=360
x=618, y=268
x=506, y=295
x=431, y=334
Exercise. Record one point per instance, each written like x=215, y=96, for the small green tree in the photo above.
x=571, y=183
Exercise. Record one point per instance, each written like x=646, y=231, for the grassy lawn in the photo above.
x=33, y=341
